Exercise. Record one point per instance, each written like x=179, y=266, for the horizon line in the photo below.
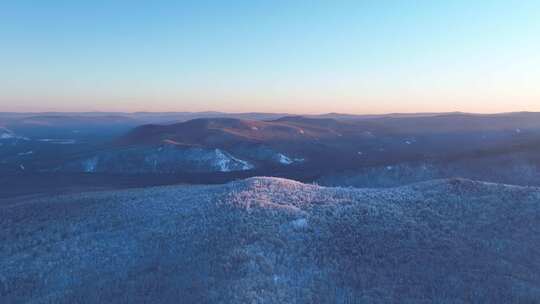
x=263, y=112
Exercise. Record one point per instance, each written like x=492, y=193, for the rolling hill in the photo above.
x=270, y=240
x=333, y=149
x=231, y=131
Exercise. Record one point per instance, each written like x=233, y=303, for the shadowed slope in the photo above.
x=230, y=131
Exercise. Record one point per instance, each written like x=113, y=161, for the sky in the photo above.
x=360, y=57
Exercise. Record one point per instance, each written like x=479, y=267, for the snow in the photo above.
x=6, y=136
x=300, y=223
x=6, y=133
x=412, y=237
x=26, y=153
x=227, y=163
x=222, y=161
x=245, y=164
x=90, y=165
x=58, y=141
x=286, y=160
x=283, y=159
x=410, y=141
x=368, y=134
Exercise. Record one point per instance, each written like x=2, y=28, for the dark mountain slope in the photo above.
x=268, y=240
x=230, y=131
x=460, y=123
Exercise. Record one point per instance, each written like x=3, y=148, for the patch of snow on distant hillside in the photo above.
x=283, y=159
x=286, y=160
x=90, y=165
x=227, y=163
x=25, y=153
x=58, y=141
x=8, y=134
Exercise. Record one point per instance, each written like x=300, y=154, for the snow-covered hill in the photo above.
x=270, y=240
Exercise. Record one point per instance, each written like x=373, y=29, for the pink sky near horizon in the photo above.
x=300, y=57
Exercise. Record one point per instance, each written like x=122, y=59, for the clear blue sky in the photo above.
x=293, y=56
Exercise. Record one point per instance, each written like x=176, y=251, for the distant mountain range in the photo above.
x=90, y=119
x=411, y=218
x=243, y=144
x=331, y=149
